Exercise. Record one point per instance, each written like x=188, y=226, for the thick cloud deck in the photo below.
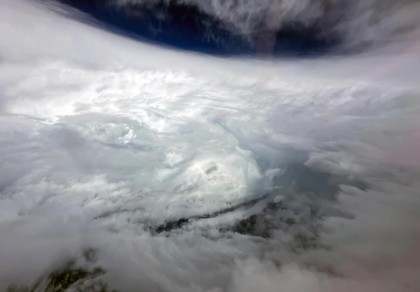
x=142, y=168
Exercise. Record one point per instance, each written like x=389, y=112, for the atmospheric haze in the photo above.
x=139, y=167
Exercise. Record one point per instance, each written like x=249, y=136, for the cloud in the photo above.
x=102, y=138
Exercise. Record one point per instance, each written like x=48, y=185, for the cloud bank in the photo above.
x=184, y=172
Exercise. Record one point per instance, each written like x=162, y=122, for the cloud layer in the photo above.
x=277, y=176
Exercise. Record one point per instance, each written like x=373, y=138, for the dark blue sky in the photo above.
x=187, y=28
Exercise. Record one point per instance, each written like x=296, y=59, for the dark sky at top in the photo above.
x=187, y=28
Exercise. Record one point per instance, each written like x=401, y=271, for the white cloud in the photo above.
x=101, y=136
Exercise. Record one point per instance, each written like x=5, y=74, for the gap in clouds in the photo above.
x=187, y=26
